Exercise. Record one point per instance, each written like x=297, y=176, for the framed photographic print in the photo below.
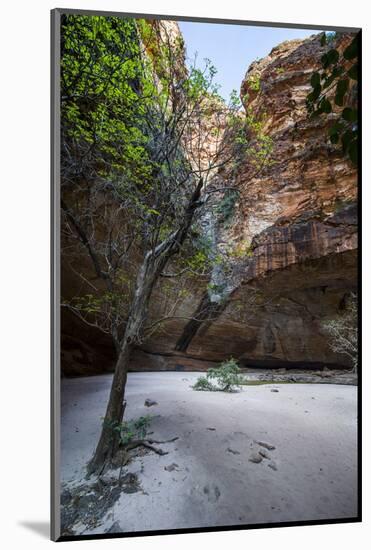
x=205, y=201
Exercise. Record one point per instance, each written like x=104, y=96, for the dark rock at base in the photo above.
x=267, y=446
x=264, y=454
x=233, y=451
x=171, y=467
x=150, y=403
x=255, y=458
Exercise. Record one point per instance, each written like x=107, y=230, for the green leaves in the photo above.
x=314, y=95
x=226, y=377
x=324, y=61
x=226, y=206
x=334, y=135
x=350, y=115
x=101, y=73
x=332, y=88
x=353, y=151
x=352, y=50
x=329, y=79
x=335, y=131
x=353, y=72
x=350, y=145
x=341, y=89
x=131, y=429
x=254, y=83
x=330, y=58
x=315, y=80
x=325, y=106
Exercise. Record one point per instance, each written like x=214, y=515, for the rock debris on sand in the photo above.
x=171, y=467
x=255, y=457
x=267, y=446
x=233, y=451
x=150, y=403
x=212, y=492
x=264, y=454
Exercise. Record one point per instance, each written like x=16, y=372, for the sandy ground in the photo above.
x=312, y=427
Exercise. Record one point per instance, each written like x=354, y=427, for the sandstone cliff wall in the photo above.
x=297, y=222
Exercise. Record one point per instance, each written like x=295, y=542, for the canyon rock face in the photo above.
x=296, y=220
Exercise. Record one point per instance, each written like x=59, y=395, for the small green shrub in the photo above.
x=254, y=82
x=226, y=377
x=202, y=384
x=132, y=429
x=226, y=207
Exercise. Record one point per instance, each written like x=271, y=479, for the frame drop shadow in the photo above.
x=41, y=528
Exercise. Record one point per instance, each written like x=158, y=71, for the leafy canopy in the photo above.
x=101, y=74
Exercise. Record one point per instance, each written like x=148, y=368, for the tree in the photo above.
x=343, y=331
x=134, y=172
x=142, y=142
x=226, y=377
x=334, y=90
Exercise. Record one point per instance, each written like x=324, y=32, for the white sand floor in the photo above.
x=313, y=429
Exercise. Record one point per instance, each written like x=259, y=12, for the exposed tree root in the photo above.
x=124, y=449
x=160, y=442
x=148, y=443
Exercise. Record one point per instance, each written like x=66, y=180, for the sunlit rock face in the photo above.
x=309, y=179
x=297, y=221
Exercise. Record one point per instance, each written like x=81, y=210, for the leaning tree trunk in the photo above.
x=110, y=438
x=153, y=264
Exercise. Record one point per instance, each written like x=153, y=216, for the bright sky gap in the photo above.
x=232, y=48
